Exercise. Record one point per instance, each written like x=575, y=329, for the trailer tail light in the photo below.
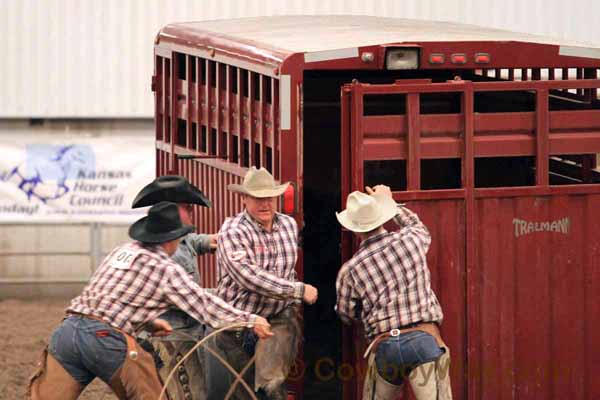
x=436, y=58
x=402, y=58
x=482, y=58
x=289, y=200
x=458, y=58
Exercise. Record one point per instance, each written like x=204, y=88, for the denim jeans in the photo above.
x=237, y=348
x=398, y=355
x=88, y=348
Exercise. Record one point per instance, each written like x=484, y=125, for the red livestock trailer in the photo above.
x=491, y=136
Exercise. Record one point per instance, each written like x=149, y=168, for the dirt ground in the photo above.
x=26, y=328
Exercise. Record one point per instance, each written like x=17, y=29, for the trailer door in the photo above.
x=384, y=140
x=503, y=175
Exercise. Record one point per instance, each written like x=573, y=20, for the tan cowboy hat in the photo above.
x=259, y=183
x=366, y=212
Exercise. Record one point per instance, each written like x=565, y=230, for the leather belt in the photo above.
x=427, y=327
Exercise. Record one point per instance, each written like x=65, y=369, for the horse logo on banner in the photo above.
x=47, y=168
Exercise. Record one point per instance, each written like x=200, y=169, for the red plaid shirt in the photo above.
x=256, y=267
x=387, y=281
x=135, y=284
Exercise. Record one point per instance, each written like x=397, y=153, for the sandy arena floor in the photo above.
x=26, y=328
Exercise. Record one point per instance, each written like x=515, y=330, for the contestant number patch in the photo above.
x=123, y=259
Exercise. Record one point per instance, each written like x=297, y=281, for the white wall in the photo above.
x=89, y=58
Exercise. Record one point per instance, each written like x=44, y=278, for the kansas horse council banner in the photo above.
x=54, y=179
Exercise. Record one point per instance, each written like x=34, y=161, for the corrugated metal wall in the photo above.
x=85, y=58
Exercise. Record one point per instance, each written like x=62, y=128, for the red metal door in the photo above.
x=443, y=211
x=515, y=268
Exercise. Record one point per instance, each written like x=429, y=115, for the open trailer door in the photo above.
x=381, y=143
x=502, y=173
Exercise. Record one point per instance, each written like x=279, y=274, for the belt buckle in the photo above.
x=395, y=332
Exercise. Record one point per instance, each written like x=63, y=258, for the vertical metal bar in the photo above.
x=498, y=73
x=158, y=95
x=524, y=74
x=275, y=131
x=173, y=106
x=551, y=74
x=190, y=88
x=229, y=112
x=580, y=76
x=217, y=107
x=511, y=74
x=542, y=137
x=473, y=304
x=590, y=94
x=95, y=245
x=199, y=103
x=240, y=121
x=262, y=107
x=356, y=139
x=413, y=162
x=251, y=119
x=588, y=162
x=165, y=93
x=536, y=74
x=209, y=105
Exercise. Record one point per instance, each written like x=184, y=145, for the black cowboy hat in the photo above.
x=174, y=188
x=162, y=224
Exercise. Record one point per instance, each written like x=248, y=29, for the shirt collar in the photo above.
x=373, y=239
x=153, y=248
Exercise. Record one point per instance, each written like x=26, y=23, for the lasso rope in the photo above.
x=238, y=376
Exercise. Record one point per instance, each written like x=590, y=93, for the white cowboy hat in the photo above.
x=366, y=212
x=259, y=183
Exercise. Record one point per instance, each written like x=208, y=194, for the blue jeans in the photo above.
x=397, y=356
x=88, y=348
x=180, y=321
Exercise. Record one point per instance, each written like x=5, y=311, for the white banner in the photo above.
x=66, y=178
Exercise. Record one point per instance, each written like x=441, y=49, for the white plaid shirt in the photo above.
x=136, y=283
x=386, y=283
x=256, y=267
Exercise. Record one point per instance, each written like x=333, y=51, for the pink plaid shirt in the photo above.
x=256, y=267
x=136, y=283
x=386, y=284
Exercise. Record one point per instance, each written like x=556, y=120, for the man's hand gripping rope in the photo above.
x=262, y=329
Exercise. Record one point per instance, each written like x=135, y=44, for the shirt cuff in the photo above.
x=251, y=321
x=298, y=290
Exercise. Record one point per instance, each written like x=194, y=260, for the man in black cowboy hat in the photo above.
x=177, y=189
x=134, y=284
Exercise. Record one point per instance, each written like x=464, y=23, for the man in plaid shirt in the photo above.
x=256, y=256
x=133, y=285
x=386, y=285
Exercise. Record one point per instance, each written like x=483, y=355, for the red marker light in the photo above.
x=289, y=200
x=482, y=58
x=458, y=58
x=436, y=59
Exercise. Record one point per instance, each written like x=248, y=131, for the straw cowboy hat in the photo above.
x=173, y=188
x=366, y=212
x=259, y=183
x=162, y=224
